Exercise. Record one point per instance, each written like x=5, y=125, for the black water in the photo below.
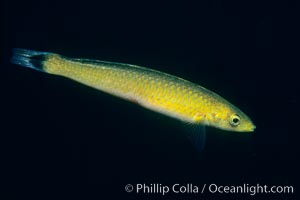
x=59, y=133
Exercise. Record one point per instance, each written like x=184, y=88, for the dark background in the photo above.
x=60, y=133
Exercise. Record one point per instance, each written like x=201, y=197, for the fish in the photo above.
x=158, y=91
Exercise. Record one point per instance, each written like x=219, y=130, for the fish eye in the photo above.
x=235, y=120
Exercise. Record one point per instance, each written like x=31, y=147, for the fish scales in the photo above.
x=155, y=90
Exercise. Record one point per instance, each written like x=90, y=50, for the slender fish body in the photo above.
x=155, y=90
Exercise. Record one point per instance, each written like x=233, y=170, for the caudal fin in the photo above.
x=28, y=58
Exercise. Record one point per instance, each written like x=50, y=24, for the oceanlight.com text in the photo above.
x=189, y=188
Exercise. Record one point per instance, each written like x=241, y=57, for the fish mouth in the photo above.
x=247, y=129
x=250, y=128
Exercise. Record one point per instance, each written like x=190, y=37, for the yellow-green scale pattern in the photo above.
x=152, y=89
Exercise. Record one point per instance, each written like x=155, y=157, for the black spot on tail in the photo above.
x=38, y=61
x=28, y=58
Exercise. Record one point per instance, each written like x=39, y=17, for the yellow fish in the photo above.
x=155, y=90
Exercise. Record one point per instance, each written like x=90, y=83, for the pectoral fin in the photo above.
x=197, y=136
